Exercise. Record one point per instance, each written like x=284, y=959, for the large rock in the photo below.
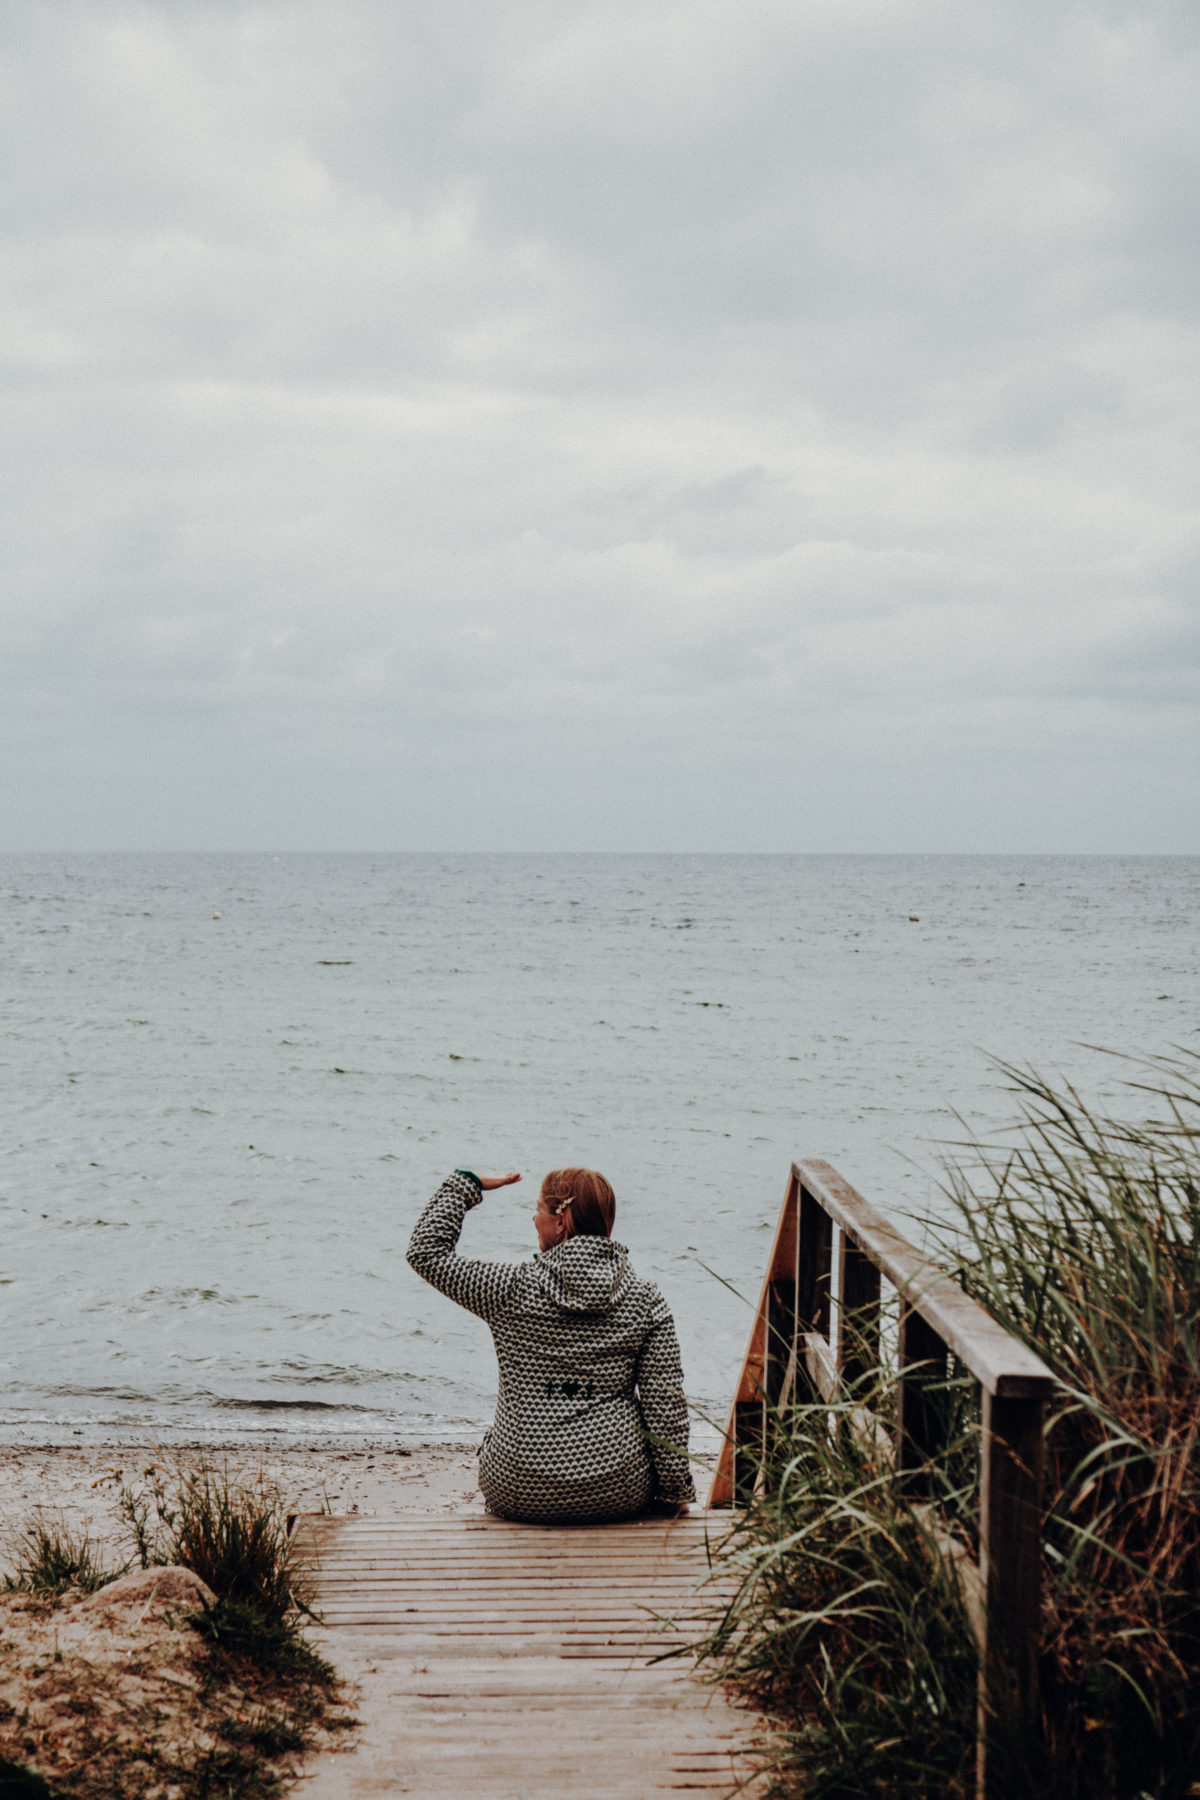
x=152, y=1588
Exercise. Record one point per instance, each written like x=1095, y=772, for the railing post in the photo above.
x=1010, y=1561
x=747, y=1442
x=814, y=1267
x=923, y=1367
x=781, y=1337
x=857, y=1348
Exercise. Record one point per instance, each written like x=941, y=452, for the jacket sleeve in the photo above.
x=664, y=1409
x=481, y=1287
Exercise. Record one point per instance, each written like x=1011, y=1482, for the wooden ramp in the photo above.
x=514, y=1662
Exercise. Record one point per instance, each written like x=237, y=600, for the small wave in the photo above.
x=66, y=1390
x=290, y=1406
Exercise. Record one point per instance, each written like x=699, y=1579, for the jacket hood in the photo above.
x=584, y=1274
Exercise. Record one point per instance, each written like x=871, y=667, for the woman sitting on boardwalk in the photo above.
x=590, y=1421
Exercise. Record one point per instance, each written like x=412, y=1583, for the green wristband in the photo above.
x=471, y=1176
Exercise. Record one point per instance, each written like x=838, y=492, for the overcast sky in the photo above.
x=571, y=424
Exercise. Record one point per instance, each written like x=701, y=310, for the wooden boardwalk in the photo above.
x=514, y=1662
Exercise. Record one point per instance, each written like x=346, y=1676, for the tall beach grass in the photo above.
x=1082, y=1237
x=847, y=1624
x=1081, y=1234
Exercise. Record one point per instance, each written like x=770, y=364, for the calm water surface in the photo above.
x=218, y=1130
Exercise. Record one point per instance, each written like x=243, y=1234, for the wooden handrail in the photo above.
x=816, y=1332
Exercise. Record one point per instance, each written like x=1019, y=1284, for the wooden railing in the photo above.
x=816, y=1332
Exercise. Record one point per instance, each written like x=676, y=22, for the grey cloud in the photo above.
x=479, y=410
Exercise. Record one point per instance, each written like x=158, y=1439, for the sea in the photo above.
x=231, y=1082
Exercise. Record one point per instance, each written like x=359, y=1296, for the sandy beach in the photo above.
x=105, y=1692
x=80, y=1485
x=100, y=1689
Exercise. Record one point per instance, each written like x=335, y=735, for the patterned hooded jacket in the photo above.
x=591, y=1422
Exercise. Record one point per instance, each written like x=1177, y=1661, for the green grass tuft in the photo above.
x=228, y=1529
x=46, y=1558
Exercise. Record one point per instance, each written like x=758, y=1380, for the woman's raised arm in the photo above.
x=481, y=1287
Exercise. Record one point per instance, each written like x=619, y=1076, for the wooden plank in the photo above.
x=447, y=1589
x=654, y=1525
x=695, y=1725
x=591, y=1631
x=477, y=1653
x=449, y=1668
x=492, y=1525
x=514, y=1618
x=514, y=1615
x=556, y=1569
x=539, y=1647
x=469, y=1558
x=413, y=1569
x=691, y=1556
x=513, y=1606
x=478, y=1533
x=553, y=1555
x=505, y=1553
x=507, y=1610
x=620, y=1697
x=513, y=1644
x=425, y=1581
x=417, y=1569
x=565, y=1538
x=692, y=1589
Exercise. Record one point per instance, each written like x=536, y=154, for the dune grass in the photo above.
x=229, y=1529
x=1081, y=1234
x=47, y=1557
x=847, y=1624
x=254, y=1691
